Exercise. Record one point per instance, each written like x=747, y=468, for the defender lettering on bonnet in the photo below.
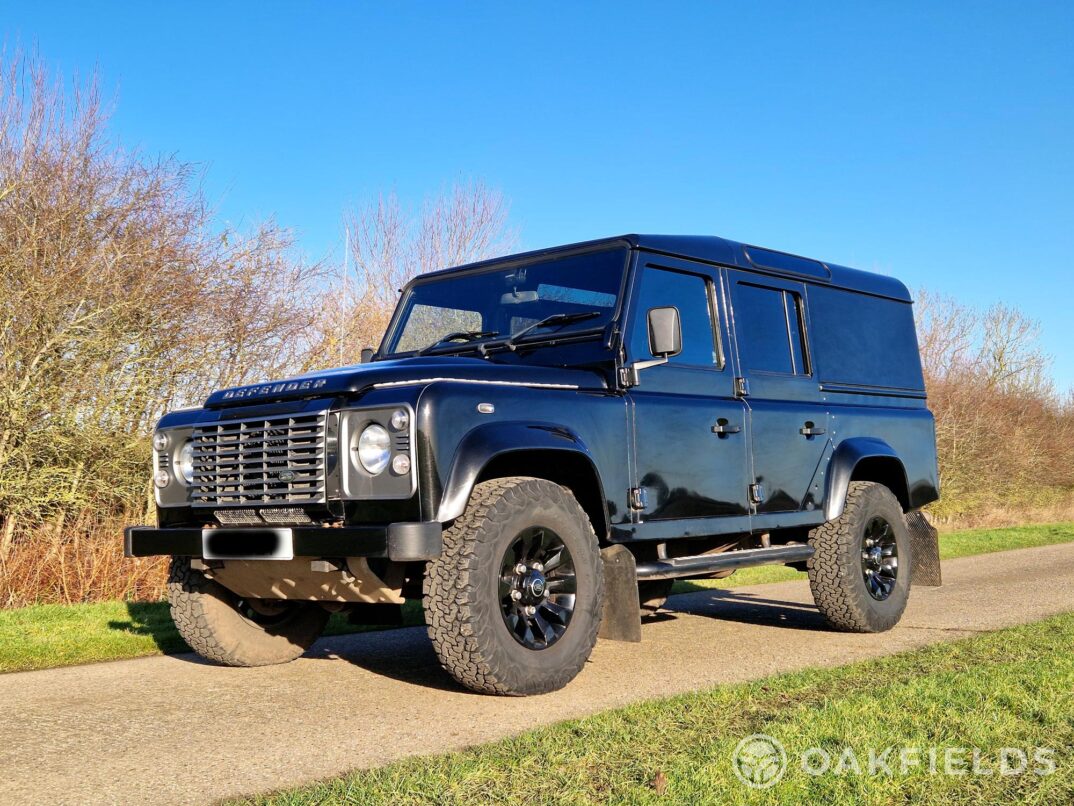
x=260, y=390
x=569, y=431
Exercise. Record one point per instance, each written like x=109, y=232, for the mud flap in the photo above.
x=924, y=551
x=621, y=620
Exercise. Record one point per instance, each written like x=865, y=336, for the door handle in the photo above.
x=723, y=428
x=809, y=430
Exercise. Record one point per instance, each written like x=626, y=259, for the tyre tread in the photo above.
x=451, y=584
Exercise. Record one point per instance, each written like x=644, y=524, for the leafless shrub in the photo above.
x=1004, y=436
x=119, y=299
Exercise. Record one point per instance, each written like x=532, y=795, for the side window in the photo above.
x=768, y=326
x=692, y=295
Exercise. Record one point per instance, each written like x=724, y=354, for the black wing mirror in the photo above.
x=665, y=332
x=665, y=340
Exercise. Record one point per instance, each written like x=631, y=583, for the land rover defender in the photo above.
x=543, y=443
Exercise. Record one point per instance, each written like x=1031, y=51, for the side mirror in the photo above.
x=665, y=332
x=665, y=340
x=367, y=354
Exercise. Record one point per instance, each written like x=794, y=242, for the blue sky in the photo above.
x=933, y=141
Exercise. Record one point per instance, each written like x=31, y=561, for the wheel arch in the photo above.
x=542, y=450
x=864, y=459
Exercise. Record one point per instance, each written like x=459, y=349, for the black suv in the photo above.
x=543, y=443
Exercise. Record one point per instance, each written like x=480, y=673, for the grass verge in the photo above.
x=1009, y=689
x=45, y=636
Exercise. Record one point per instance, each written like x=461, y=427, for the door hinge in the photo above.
x=742, y=387
x=757, y=493
x=638, y=498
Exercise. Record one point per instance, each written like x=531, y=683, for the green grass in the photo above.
x=1012, y=688
x=45, y=636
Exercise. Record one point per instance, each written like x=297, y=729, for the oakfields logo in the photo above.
x=760, y=761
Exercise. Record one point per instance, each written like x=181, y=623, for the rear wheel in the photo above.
x=860, y=569
x=514, y=602
x=224, y=627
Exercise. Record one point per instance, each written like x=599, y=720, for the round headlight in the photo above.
x=400, y=419
x=160, y=441
x=186, y=462
x=374, y=448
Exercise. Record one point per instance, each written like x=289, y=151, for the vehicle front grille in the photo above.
x=239, y=462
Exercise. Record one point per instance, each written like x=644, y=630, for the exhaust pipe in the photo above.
x=678, y=567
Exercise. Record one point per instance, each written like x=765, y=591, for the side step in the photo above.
x=675, y=568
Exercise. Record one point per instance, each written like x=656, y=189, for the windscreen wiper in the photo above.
x=458, y=335
x=556, y=319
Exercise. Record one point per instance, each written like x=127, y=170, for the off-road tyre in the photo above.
x=463, y=602
x=211, y=619
x=835, y=569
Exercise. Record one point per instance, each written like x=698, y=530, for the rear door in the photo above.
x=684, y=468
x=788, y=418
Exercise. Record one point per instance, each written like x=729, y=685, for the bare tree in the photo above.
x=1004, y=435
x=389, y=244
x=119, y=298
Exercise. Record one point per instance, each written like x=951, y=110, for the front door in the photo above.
x=788, y=419
x=690, y=432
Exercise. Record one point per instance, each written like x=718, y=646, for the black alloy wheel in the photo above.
x=537, y=588
x=879, y=559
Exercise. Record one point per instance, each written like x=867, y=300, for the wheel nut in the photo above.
x=516, y=595
x=530, y=610
x=538, y=567
x=520, y=568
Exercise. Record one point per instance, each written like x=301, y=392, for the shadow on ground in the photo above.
x=405, y=654
x=748, y=608
x=152, y=619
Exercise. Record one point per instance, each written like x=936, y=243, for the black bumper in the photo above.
x=403, y=542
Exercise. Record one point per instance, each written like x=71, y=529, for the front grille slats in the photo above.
x=239, y=462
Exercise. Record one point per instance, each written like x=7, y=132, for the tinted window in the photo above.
x=768, y=325
x=864, y=340
x=690, y=294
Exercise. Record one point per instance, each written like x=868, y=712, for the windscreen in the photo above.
x=489, y=306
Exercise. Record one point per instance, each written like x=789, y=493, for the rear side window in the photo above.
x=863, y=340
x=692, y=295
x=768, y=325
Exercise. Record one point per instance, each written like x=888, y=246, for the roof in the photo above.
x=724, y=252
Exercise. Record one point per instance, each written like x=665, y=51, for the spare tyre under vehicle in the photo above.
x=224, y=627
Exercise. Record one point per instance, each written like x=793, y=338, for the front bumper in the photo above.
x=403, y=542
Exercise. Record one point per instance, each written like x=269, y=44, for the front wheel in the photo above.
x=860, y=569
x=224, y=627
x=514, y=602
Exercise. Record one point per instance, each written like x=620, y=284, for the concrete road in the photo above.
x=175, y=730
